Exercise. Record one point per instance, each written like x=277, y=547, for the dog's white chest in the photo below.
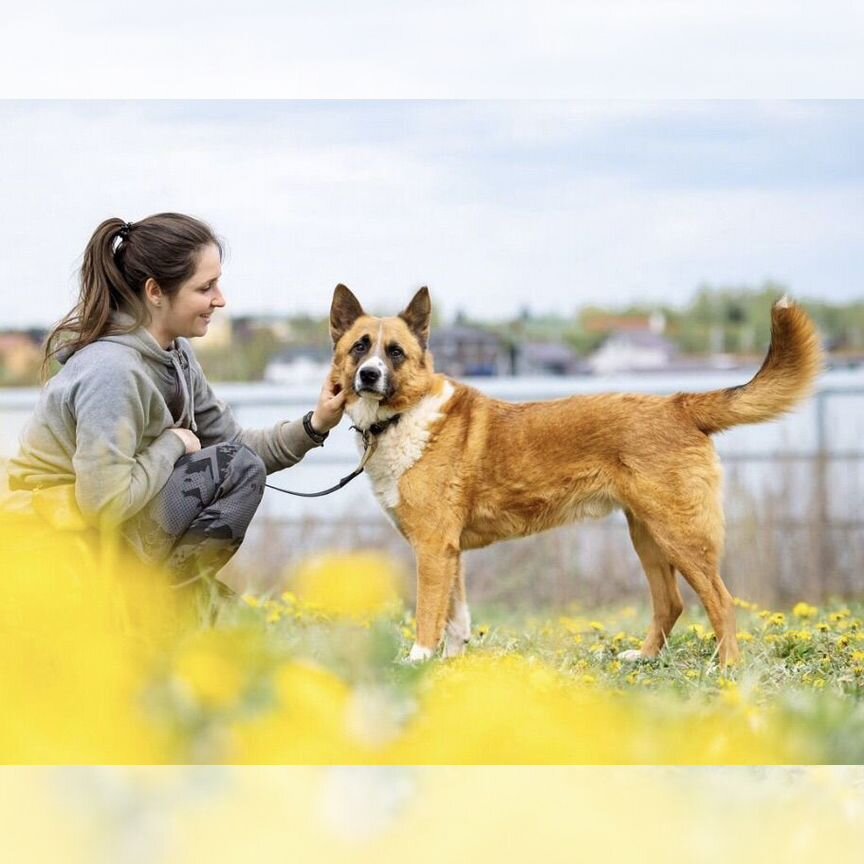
x=402, y=445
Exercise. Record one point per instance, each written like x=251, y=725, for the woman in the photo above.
x=131, y=425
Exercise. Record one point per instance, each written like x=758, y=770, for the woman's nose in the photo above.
x=218, y=299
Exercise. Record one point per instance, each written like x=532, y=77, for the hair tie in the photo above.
x=124, y=231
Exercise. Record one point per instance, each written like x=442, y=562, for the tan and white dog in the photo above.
x=457, y=470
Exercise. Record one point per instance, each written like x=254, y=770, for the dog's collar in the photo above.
x=378, y=428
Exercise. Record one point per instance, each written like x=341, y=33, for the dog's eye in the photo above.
x=359, y=347
x=396, y=352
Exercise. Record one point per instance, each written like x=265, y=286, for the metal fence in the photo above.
x=793, y=500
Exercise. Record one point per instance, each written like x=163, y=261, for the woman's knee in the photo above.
x=251, y=466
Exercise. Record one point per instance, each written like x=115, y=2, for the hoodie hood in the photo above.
x=175, y=359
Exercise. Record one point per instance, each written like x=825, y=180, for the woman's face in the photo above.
x=187, y=313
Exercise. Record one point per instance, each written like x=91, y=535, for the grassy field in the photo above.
x=118, y=671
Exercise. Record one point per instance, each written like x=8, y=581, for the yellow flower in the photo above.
x=744, y=636
x=778, y=619
x=358, y=585
x=597, y=626
x=803, y=610
x=210, y=666
x=252, y=601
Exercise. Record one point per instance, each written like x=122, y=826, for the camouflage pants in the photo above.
x=199, y=518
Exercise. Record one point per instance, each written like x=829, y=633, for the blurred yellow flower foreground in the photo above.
x=100, y=662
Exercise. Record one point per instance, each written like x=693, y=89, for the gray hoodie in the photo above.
x=102, y=422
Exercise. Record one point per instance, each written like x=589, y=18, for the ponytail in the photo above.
x=118, y=260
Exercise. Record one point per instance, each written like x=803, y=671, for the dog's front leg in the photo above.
x=458, y=630
x=437, y=572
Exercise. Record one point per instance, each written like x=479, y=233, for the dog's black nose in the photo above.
x=369, y=375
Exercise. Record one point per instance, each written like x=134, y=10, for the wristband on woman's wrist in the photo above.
x=318, y=437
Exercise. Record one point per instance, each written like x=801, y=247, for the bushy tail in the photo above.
x=787, y=376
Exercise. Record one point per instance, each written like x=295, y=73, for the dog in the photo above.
x=457, y=470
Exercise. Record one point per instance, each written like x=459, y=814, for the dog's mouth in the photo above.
x=370, y=393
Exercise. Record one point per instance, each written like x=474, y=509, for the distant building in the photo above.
x=549, y=358
x=247, y=327
x=632, y=351
x=462, y=350
x=602, y=323
x=20, y=355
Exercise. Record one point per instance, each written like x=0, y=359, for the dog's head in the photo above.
x=382, y=364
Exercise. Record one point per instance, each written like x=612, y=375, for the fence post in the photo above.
x=822, y=582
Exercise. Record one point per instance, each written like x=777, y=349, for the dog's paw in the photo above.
x=632, y=656
x=454, y=646
x=419, y=654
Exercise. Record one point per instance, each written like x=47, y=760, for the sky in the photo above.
x=495, y=205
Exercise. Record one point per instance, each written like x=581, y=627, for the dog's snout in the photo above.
x=369, y=375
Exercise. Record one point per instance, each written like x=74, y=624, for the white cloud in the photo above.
x=493, y=205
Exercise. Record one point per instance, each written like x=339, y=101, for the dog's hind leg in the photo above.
x=696, y=556
x=438, y=567
x=458, y=630
x=665, y=594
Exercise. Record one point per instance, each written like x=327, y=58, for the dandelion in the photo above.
x=778, y=619
x=359, y=585
x=215, y=667
x=597, y=626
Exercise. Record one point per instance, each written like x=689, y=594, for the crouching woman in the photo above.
x=129, y=435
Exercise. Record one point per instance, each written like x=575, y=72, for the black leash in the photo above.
x=370, y=442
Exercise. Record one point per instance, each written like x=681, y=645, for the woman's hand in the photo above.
x=189, y=439
x=328, y=411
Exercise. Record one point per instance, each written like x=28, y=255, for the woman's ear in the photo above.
x=152, y=292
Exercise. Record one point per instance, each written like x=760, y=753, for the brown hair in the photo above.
x=118, y=260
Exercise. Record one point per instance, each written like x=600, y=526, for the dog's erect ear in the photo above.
x=344, y=311
x=417, y=314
